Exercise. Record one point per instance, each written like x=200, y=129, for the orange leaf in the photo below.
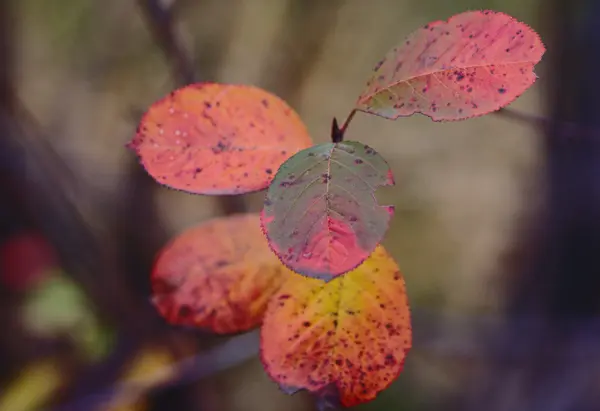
x=474, y=63
x=347, y=337
x=213, y=138
x=218, y=275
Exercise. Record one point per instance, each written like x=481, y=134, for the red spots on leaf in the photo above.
x=333, y=339
x=213, y=138
x=217, y=276
x=494, y=53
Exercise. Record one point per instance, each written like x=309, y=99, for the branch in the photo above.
x=530, y=119
x=299, y=45
x=236, y=350
x=160, y=21
x=565, y=128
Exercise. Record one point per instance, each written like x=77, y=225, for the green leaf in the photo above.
x=320, y=214
x=58, y=306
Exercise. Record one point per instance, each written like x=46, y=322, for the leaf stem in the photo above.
x=347, y=122
x=337, y=133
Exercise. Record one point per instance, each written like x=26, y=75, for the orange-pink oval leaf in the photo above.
x=345, y=340
x=320, y=214
x=214, y=138
x=217, y=276
x=475, y=63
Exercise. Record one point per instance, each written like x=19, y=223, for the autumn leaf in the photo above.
x=218, y=275
x=320, y=214
x=474, y=63
x=214, y=138
x=346, y=339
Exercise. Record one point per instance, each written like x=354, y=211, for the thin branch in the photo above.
x=160, y=21
x=298, y=46
x=237, y=350
x=527, y=118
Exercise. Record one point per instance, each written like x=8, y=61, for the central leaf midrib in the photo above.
x=327, y=205
x=396, y=83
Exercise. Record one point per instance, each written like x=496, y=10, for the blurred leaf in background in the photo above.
x=34, y=385
x=58, y=306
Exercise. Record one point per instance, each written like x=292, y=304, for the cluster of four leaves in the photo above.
x=310, y=268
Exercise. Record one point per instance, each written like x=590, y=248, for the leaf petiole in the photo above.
x=337, y=133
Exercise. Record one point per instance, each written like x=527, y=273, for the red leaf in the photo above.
x=218, y=275
x=474, y=63
x=218, y=138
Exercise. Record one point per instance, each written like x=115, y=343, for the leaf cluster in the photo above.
x=310, y=267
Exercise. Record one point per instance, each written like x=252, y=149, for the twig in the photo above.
x=298, y=46
x=531, y=119
x=230, y=354
x=565, y=128
x=160, y=21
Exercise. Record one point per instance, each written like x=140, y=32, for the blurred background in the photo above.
x=497, y=225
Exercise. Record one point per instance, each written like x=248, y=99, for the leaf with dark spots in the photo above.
x=345, y=359
x=427, y=74
x=232, y=133
x=217, y=276
x=320, y=214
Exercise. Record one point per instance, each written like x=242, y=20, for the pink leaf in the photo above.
x=473, y=64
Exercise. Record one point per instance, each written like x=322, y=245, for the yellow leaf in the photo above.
x=347, y=338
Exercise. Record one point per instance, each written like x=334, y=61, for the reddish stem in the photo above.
x=347, y=122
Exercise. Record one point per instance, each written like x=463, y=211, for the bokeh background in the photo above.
x=497, y=225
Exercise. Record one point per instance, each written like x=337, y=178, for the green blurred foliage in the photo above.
x=57, y=306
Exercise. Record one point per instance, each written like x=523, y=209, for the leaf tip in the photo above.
x=391, y=210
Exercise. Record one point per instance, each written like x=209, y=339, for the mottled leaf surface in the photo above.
x=474, y=63
x=320, y=214
x=213, y=138
x=344, y=340
x=217, y=276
